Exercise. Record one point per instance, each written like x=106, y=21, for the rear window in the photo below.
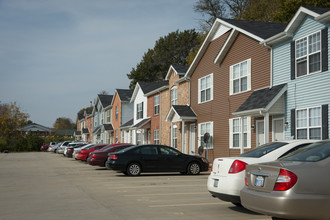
x=263, y=150
x=311, y=153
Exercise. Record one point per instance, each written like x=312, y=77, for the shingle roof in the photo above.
x=151, y=86
x=317, y=10
x=105, y=100
x=77, y=132
x=184, y=111
x=125, y=94
x=260, y=99
x=141, y=123
x=108, y=127
x=80, y=116
x=258, y=28
x=127, y=124
x=180, y=69
x=85, y=131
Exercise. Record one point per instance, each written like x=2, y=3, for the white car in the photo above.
x=73, y=144
x=76, y=151
x=227, y=175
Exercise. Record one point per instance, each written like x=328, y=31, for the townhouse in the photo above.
x=300, y=63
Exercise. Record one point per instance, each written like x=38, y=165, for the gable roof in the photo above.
x=80, y=116
x=178, y=69
x=105, y=100
x=261, y=100
x=254, y=29
x=184, y=113
x=127, y=124
x=35, y=127
x=108, y=127
x=319, y=14
x=148, y=88
x=124, y=94
x=142, y=123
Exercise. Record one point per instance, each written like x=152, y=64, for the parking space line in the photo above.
x=155, y=186
x=189, y=204
x=166, y=194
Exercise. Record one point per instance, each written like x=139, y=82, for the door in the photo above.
x=278, y=133
x=192, y=137
x=260, y=133
x=171, y=159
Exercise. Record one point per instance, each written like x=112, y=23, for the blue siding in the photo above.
x=308, y=91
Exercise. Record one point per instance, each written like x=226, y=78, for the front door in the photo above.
x=278, y=129
x=260, y=133
x=192, y=137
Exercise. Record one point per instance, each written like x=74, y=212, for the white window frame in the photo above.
x=122, y=136
x=108, y=116
x=248, y=75
x=308, y=126
x=174, y=136
x=139, y=110
x=241, y=132
x=117, y=112
x=202, y=131
x=156, y=105
x=207, y=87
x=156, y=137
x=306, y=57
x=116, y=136
x=174, y=96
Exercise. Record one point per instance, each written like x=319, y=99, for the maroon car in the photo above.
x=85, y=152
x=98, y=158
x=44, y=147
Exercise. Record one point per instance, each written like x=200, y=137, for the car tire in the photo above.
x=238, y=204
x=133, y=169
x=194, y=168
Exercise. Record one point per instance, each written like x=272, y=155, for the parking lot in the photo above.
x=51, y=186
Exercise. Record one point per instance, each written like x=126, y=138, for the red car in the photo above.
x=85, y=152
x=44, y=147
x=99, y=157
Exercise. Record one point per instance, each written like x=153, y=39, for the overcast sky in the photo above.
x=57, y=55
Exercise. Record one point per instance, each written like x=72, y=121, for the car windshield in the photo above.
x=311, y=153
x=263, y=149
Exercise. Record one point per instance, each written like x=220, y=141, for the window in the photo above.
x=156, y=105
x=174, y=136
x=122, y=136
x=117, y=112
x=102, y=118
x=156, y=136
x=203, y=128
x=168, y=151
x=108, y=116
x=174, y=96
x=240, y=77
x=308, y=54
x=116, y=136
x=240, y=132
x=139, y=110
x=308, y=123
x=138, y=138
x=205, y=89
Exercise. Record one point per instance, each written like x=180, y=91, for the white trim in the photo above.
x=257, y=133
x=229, y=42
x=273, y=130
x=248, y=75
x=211, y=88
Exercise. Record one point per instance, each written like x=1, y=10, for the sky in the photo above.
x=57, y=55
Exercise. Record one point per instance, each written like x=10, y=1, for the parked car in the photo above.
x=60, y=149
x=76, y=151
x=155, y=158
x=51, y=145
x=85, y=152
x=227, y=175
x=54, y=148
x=69, y=149
x=294, y=187
x=44, y=147
x=72, y=144
x=99, y=157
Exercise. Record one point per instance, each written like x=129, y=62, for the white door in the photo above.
x=192, y=137
x=260, y=133
x=278, y=129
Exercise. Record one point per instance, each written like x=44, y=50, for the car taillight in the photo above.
x=285, y=180
x=113, y=157
x=237, y=166
x=94, y=156
x=246, y=181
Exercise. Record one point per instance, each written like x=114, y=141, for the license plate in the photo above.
x=216, y=183
x=260, y=180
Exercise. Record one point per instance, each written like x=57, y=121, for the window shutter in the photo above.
x=293, y=60
x=211, y=82
x=199, y=90
x=230, y=133
x=137, y=111
x=324, y=48
x=249, y=74
x=325, y=122
x=231, y=70
x=293, y=123
x=248, y=131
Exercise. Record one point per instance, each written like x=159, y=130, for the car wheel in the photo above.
x=238, y=204
x=194, y=168
x=134, y=169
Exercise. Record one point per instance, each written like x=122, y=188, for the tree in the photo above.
x=63, y=123
x=11, y=119
x=81, y=111
x=173, y=48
